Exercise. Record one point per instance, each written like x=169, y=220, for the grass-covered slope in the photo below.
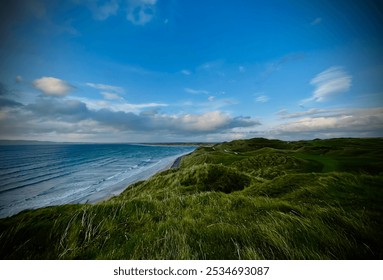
x=247, y=199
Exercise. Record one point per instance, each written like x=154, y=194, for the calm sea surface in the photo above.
x=34, y=176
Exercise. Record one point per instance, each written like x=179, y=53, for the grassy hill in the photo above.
x=247, y=199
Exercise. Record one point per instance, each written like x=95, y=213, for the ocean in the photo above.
x=35, y=176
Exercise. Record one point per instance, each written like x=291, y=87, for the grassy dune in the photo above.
x=247, y=199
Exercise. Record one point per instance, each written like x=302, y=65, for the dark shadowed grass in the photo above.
x=240, y=200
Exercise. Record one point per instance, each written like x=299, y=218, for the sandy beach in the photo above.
x=177, y=162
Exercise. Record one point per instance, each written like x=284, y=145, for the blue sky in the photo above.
x=172, y=70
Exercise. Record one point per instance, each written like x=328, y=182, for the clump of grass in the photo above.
x=239, y=200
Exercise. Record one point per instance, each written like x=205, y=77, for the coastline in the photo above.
x=92, y=192
x=175, y=164
x=150, y=221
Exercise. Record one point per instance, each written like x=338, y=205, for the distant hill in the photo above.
x=35, y=142
x=180, y=143
x=27, y=142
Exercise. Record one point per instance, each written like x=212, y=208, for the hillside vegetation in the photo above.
x=247, y=199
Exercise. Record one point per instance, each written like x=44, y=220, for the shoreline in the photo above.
x=104, y=194
x=175, y=164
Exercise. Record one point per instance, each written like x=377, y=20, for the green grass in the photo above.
x=247, y=199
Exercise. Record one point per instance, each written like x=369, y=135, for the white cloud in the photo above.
x=204, y=122
x=313, y=124
x=19, y=79
x=328, y=83
x=212, y=122
x=68, y=118
x=52, y=86
x=348, y=122
x=262, y=98
x=104, y=87
x=89, y=119
x=140, y=12
x=196, y=91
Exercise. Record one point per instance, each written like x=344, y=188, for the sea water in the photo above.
x=34, y=176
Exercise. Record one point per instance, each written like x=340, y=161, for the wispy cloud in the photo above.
x=316, y=21
x=211, y=65
x=186, y=72
x=111, y=96
x=104, y=87
x=105, y=10
x=51, y=86
x=212, y=104
x=196, y=91
x=101, y=11
x=284, y=114
x=358, y=122
x=6, y=99
x=140, y=12
x=128, y=107
x=262, y=98
x=211, y=98
x=118, y=105
x=275, y=66
x=328, y=83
